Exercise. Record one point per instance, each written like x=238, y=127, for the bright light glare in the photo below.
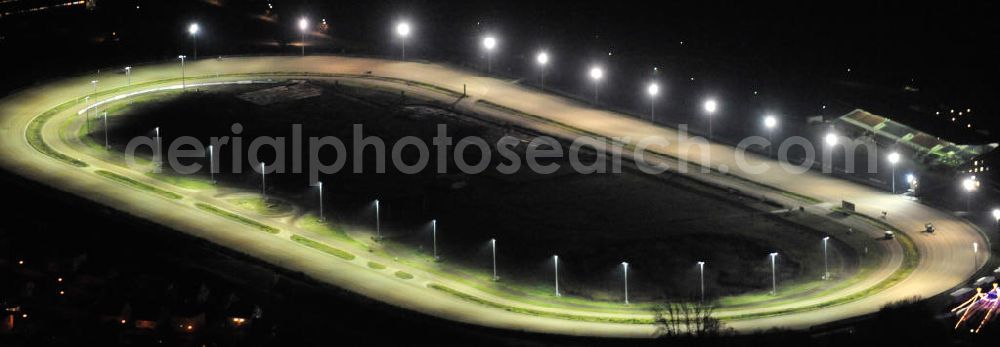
x=711, y=106
x=970, y=184
x=653, y=89
x=893, y=157
x=303, y=24
x=489, y=42
x=831, y=139
x=403, y=29
x=596, y=73
x=193, y=29
x=770, y=121
x=996, y=214
x=542, y=58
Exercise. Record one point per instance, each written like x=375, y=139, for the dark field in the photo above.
x=661, y=225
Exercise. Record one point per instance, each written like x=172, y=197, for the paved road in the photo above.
x=946, y=257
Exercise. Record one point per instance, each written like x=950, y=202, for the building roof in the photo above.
x=930, y=147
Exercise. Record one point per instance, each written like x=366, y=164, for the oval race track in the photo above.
x=946, y=257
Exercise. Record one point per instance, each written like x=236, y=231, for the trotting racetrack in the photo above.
x=27, y=117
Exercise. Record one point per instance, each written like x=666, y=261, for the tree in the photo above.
x=686, y=319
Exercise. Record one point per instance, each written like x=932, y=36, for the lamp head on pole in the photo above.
x=403, y=29
x=542, y=58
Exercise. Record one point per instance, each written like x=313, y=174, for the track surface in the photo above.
x=946, y=257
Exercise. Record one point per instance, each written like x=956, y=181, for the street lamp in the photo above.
x=93, y=83
x=378, y=222
x=211, y=162
x=911, y=181
x=831, y=139
x=107, y=145
x=403, y=30
x=159, y=147
x=193, y=30
x=543, y=60
x=555, y=259
x=970, y=185
x=826, y=267
x=596, y=74
x=975, y=255
x=701, y=270
x=489, y=43
x=653, y=89
x=710, y=106
x=770, y=122
x=625, y=267
x=493, y=244
x=303, y=25
x=182, y=57
x=774, y=273
x=996, y=216
x=893, y=159
x=434, y=237
x=319, y=185
x=263, y=185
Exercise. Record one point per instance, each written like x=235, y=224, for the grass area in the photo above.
x=323, y=247
x=547, y=314
x=137, y=185
x=376, y=266
x=237, y=218
x=797, y=196
x=403, y=275
x=538, y=295
x=764, y=296
x=326, y=228
x=34, y=135
x=183, y=181
x=264, y=206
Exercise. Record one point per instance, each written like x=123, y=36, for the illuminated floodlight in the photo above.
x=542, y=58
x=596, y=73
x=489, y=43
x=770, y=121
x=653, y=89
x=831, y=139
x=403, y=29
x=711, y=106
x=303, y=25
x=894, y=157
x=970, y=184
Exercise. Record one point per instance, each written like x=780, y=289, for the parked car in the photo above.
x=929, y=227
x=889, y=235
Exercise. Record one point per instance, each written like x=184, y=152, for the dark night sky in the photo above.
x=800, y=50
